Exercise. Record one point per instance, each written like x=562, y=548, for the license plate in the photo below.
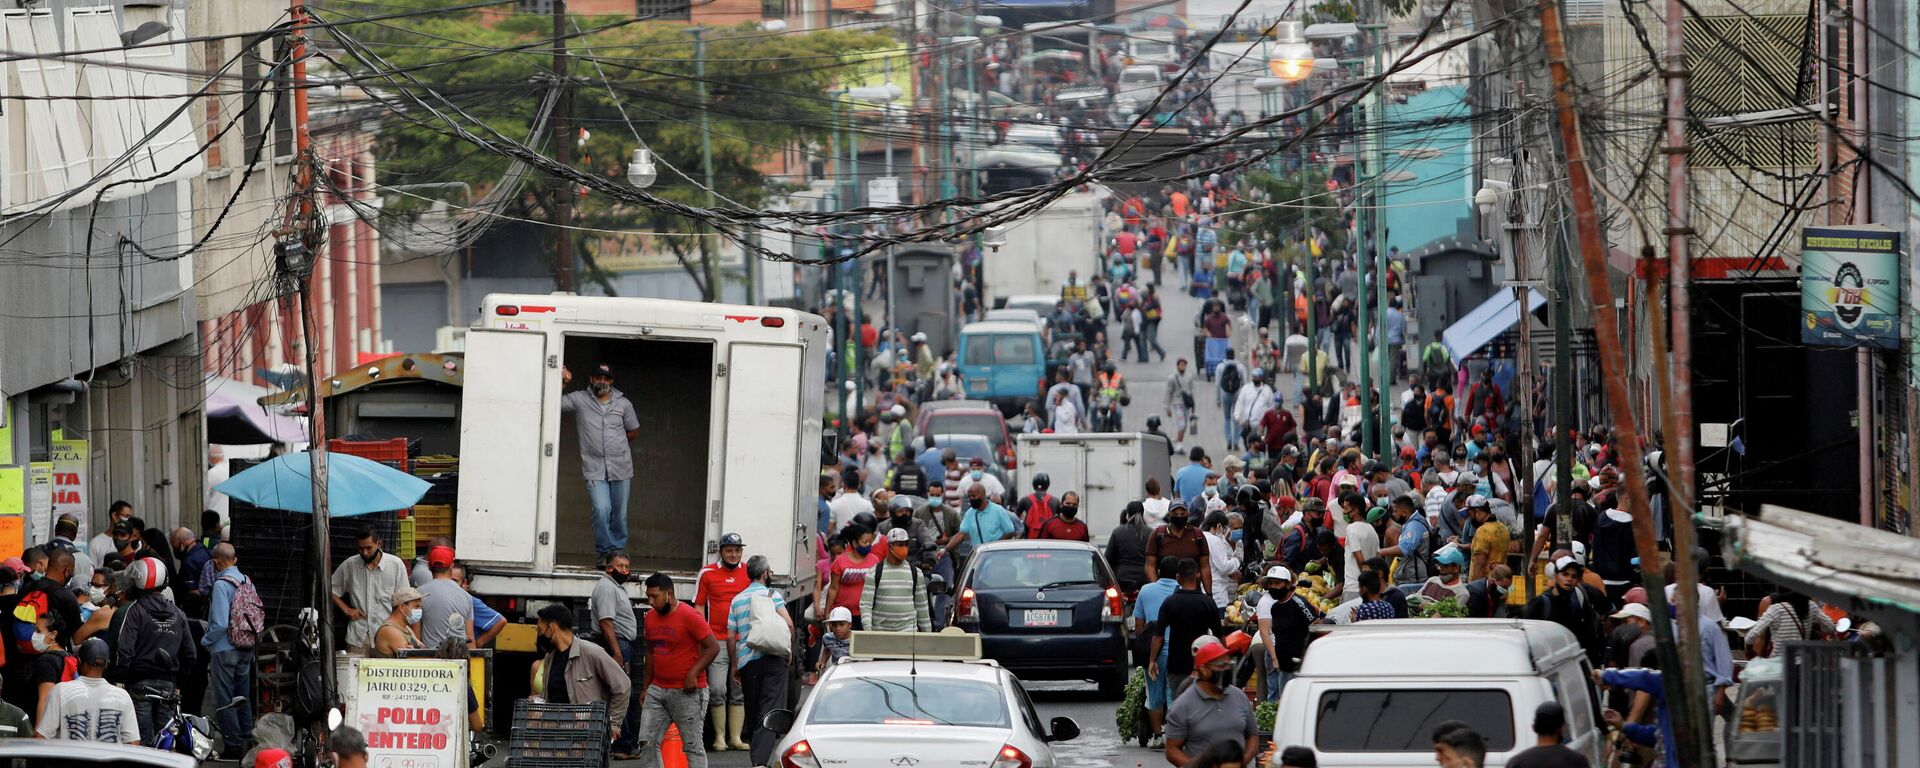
x=1046, y=617
x=979, y=385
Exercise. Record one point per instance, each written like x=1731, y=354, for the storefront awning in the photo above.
x=1852, y=566
x=1486, y=322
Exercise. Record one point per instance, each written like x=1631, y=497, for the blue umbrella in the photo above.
x=355, y=486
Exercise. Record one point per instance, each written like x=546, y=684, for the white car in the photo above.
x=934, y=710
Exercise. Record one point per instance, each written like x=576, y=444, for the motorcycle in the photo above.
x=1106, y=412
x=187, y=734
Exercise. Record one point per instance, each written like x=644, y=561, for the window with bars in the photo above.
x=773, y=9
x=216, y=56
x=666, y=10
x=1744, y=65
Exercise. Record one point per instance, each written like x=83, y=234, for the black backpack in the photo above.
x=1230, y=378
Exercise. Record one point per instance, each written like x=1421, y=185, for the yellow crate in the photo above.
x=406, y=538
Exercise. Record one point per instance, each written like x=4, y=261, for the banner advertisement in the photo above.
x=69, y=459
x=1850, y=287
x=413, y=711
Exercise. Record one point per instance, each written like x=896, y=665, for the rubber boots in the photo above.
x=736, y=720
x=719, y=715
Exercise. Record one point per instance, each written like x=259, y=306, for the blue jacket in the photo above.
x=1189, y=480
x=1647, y=680
x=220, y=611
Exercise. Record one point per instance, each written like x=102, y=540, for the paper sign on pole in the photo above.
x=883, y=191
x=413, y=711
x=40, y=490
x=69, y=488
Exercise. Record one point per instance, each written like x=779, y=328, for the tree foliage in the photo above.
x=1279, y=207
x=765, y=94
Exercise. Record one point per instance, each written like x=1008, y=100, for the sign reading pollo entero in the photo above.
x=413, y=711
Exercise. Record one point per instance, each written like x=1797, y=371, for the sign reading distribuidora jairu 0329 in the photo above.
x=1850, y=287
x=413, y=711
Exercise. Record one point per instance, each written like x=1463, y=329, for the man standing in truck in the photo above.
x=719, y=583
x=606, y=426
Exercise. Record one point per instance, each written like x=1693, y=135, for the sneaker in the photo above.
x=1157, y=742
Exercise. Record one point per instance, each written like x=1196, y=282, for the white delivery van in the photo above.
x=1107, y=469
x=1371, y=694
x=729, y=404
x=1043, y=248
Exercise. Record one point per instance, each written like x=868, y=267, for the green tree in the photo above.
x=1277, y=208
x=765, y=94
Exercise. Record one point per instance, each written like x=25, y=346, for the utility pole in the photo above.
x=1379, y=234
x=1613, y=361
x=1677, y=451
x=307, y=229
x=707, y=256
x=562, y=154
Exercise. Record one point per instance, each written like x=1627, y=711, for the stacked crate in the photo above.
x=559, y=735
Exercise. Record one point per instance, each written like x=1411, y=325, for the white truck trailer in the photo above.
x=1043, y=248
x=1107, y=469
x=729, y=404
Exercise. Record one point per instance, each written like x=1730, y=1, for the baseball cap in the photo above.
x=1374, y=515
x=1450, y=555
x=1635, y=595
x=405, y=595
x=1549, y=718
x=1278, y=573
x=603, y=369
x=16, y=565
x=1634, y=611
x=1467, y=478
x=1580, y=553
x=440, y=557
x=94, y=652
x=840, y=613
x=123, y=528
x=1348, y=480
x=732, y=540
x=1210, y=653
x=1565, y=562
x=1476, y=501
x=897, y=535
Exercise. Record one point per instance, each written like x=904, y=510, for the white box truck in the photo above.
x=729, y=404
x=1107, y=469
x=1043, y=248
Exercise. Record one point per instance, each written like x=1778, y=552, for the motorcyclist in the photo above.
x=1111, y=389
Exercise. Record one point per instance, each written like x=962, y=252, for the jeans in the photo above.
x=1276, y=680
x=629, y=741
x=609, y=514
x=941, y=602
x=151, y=715
x=1226, y=419
x=688, y=711
x=720, y=685
x=233, y=676
x=765, y=681
x=1151, y=339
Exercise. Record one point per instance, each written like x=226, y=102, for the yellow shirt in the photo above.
x=1489, y=540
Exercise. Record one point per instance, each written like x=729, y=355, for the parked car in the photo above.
x=1046, y=609
x=987, y=423
x=54, y=753
x=917, y=705
x=1499, y=671
x=970, y=447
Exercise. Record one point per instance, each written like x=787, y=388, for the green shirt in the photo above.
x=13, y=723
x=896, y=600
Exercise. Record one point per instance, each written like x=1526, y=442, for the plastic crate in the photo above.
x=393, y=453
x=404, y=542
x=545, y=716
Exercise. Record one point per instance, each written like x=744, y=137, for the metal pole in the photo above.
x=309, y=327
x=1523, y=494
x=1593, y=255
x=562, y=154
x=1864, y=402
x=1378, y=161
x=707, y=257
x=853, y=199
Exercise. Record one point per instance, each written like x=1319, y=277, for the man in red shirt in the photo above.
x=719, y=583
x=1276, y=425
x=680, y=646
x=1065, y=523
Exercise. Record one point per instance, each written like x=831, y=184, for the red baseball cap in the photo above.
x=1210, y=653
x=440, y=557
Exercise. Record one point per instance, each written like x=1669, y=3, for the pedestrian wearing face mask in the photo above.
x=680, y=647
x=895, y=598
x=154, y=646
x=1211, y=712
x=1487, y=598
x=396, y=632
x=1179, y=538
x=718, y=584
x=619, y=630
x=363, y=587
x=1066, y=524
x=850, y=571
x=1284, y=621
x=582, y=673
x=984, y=522
x=606, y=425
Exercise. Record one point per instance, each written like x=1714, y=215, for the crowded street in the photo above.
x=928, y=384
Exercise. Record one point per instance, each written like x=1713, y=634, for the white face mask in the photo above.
x=413, y=616
x=97, y=594
x=41, y=642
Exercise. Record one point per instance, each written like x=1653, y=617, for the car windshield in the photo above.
x=983, y=424
x=1347, y=718
x=1035, y=568
x=909, y=701
x=966, y=446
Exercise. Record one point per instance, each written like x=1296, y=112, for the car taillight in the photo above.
x=1011, y=757
x=1116, y=605
x=964, y=609
x=800, y=755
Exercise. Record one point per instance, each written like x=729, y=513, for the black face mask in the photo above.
x=1222, y=679
x=1069, y=512
x=544, y=644
x=371, y=559
x=619, y=578
x=979, y=503
x=1278, y=593
x=902, y=518
x=1176, y=521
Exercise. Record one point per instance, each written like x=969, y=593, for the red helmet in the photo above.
x=1208, y=654
x=1239, y=642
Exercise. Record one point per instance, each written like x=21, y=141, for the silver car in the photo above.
x=922, y=714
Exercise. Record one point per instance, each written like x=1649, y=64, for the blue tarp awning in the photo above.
x=1486, y=322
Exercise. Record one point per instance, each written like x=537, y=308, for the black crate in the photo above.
x=544, y=716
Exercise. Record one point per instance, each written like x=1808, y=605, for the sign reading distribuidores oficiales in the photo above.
x=413, y=711
x=1850, y=287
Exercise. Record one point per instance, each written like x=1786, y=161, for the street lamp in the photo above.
x=640, y=170
x=1290, y=58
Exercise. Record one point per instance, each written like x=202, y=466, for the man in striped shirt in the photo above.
x=761, y=677
x=896, y=596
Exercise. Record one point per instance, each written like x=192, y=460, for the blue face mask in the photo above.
x=976, y=474
x=863, y=551
x=1234, y=536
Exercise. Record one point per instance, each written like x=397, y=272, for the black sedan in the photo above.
x=1048, y=610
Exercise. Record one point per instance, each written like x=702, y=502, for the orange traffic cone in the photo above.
x=673, y=753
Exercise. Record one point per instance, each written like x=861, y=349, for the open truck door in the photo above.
x=501, y=446
x=762, y=483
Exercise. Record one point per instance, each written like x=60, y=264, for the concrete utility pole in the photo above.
x=1378, y=163
x=562, y=154
x=1613, y=362
x=708, y=258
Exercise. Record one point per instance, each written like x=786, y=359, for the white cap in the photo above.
x=1476, y=501
x=1635, y=611
x=1278, y=573
x=899, y=410
x=1565, y=562
x=840, y=613
x=897, y=534
x=1580, y=553
x=1204, y=641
